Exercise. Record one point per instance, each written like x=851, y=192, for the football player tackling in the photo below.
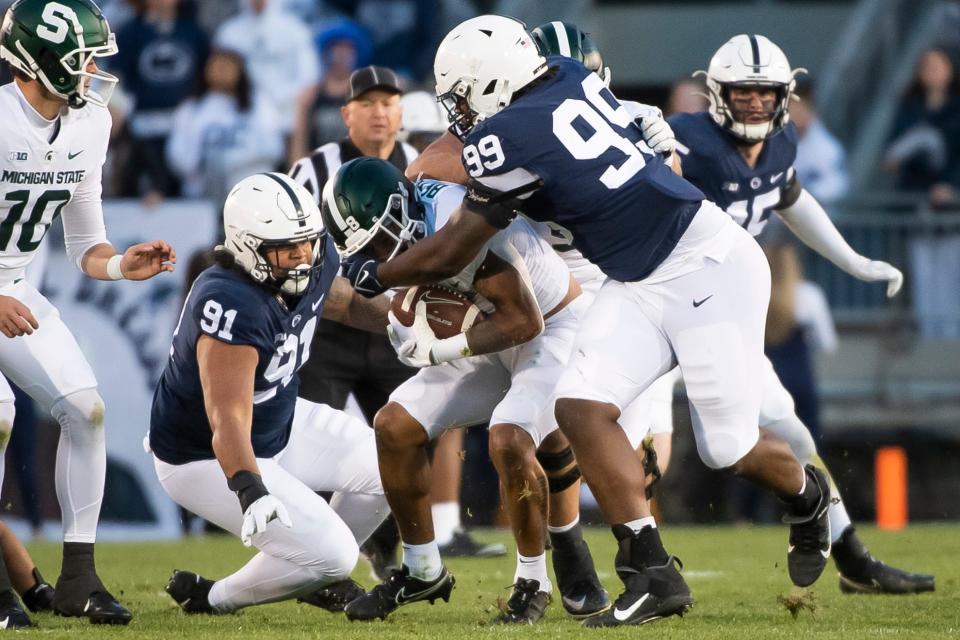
x=545, y=136
x=502, y=369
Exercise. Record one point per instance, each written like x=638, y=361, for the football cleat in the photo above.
x=464, y=546
x=39, y=597
x=860, y=572
x=190, y=591
x=526, y=605
x=12, y=615
x=810, y=535
x=334, y=597
x=580, y=590
x=651, y=593
x=399, y=589
x=85, y=596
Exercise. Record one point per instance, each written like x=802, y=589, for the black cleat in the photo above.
x=12, y=615
x=464, y=546
x=526, y=605
x=810, y=535
x=39, y=597
x=190, y=591
x=85, y=597
x=651, y=593
x=580, y=590
x=334, y=597
x=399, y=589
x=860, y=572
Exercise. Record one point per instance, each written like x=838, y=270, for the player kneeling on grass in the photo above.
x=226, y=418
x=502, y=369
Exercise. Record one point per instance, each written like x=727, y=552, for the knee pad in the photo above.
x=80, y=407
x=7, y=414
x=797, y=435
x=723, y=449
x=554, y=464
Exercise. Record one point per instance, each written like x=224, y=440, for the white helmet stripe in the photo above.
x=562, y=42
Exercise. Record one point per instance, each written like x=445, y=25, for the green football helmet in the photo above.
x=566, y=39
x=54, y=43
x=370, y=201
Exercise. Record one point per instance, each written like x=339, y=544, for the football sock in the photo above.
x=533, y=568
x=446, y=521
x=639, y=549
x=423, y=560
x=362, y=512
x=263, y=579
x=839, y=519
x=566, y=537
x=81, y=463
x=637, y=525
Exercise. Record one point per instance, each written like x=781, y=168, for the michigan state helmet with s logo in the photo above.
x=566, y=39
x=54, y=42
x=370, y=203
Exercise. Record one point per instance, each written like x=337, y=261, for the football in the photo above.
x=448, y=312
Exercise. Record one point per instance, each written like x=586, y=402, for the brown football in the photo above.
x=448, y=312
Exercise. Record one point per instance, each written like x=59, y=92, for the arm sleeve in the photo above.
x=83, y=226
x=809, y=222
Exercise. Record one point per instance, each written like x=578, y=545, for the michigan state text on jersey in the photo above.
x=54, y=139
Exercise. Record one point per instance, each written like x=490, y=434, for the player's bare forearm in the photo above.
x=95, y=261
x=441, y=255
x=226, y=375
x=346, y=307
x=440, y=161
x=517, y=318
x=139, y=262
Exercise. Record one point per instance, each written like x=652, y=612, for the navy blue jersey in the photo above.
x=227, y=305
x=713, y=163
x=624, y=208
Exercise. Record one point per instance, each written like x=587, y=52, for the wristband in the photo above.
x=248, y=486
x=113, y=268
x=449, y=349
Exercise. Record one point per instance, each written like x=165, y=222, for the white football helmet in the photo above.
x=750, y=60
x=267, y=210
x=422, y=114
x=479, y=66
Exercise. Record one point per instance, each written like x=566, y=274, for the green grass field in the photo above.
x=736, y=575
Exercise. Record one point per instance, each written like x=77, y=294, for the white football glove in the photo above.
x=413, y=344
x=878, y=271
x=656, y=131
x=258, y=514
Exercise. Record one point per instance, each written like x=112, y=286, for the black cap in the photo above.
x=372, y=77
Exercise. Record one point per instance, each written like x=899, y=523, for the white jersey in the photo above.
x=42, y=179
x=583, y=271
x=519, y=245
